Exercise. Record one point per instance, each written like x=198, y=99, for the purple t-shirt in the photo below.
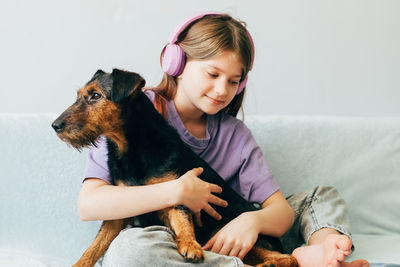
x=229, y=148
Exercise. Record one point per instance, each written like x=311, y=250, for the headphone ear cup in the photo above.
x=173, y=59
x=241, y=86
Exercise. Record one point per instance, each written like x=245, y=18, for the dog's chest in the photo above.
x=137, y=169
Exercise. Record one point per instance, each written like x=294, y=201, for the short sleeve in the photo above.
x=256, y=180
x=96, y=162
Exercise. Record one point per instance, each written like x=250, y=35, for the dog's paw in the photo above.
x=280, y=260
x=191, y=251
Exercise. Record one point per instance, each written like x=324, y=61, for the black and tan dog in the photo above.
x=145, y=149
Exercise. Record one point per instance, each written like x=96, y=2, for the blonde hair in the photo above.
x=202, y=39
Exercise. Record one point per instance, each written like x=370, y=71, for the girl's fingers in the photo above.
x=209, y=243
x=235, y=251
x=215, y=188
x=197, y=171
x=217, y=201
x=212, y=212
x=226, y=248
x=243, y=252
x=217, y=246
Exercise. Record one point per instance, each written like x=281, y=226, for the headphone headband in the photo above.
x=173, y=57
x=173, y=37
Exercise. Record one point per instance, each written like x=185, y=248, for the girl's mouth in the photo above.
x=215, y=101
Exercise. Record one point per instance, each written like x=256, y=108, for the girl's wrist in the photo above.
x=254, y=219
x=175, y=192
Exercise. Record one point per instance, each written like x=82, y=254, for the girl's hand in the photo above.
x=197, y=195
x=236, y=238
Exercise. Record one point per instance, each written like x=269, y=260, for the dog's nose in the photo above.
x=58, y=126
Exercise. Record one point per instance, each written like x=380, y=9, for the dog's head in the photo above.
x=97, y=108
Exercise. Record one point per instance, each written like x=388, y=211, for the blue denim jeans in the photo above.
x=154, y=246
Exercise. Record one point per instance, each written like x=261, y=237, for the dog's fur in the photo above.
x=145, y=149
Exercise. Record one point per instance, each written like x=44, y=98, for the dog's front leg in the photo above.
x=107, y=233
x=181, y=222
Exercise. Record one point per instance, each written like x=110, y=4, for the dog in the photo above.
x=144, y=149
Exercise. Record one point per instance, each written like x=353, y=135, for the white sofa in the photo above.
x=41, y=176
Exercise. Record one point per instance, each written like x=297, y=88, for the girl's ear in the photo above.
x=125, y=83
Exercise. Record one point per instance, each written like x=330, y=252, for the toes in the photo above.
x=340, y=256
x=344, y=243
x=347, y=252
x=334, y=263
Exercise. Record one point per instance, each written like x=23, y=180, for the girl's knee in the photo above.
x=327, y=193
x=124, y=249
x=326, y=190
x=134, y=246
x=303, y=200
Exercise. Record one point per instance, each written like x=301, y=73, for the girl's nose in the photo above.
x=220, y=88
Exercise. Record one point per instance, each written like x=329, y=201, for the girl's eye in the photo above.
x=95, y=96
x=213, y=75
x=234, y=82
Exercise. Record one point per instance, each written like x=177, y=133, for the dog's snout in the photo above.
x=58, y=125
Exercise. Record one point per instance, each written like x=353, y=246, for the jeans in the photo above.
x=155, y=246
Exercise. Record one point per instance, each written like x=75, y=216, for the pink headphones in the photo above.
x=173, y=57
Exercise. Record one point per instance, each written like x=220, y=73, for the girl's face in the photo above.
x=209, y=85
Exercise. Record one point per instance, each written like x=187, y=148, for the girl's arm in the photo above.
x=276, y=216
x=100, y=201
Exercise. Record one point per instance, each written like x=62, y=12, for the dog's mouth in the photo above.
x=78, y=137
x=78, y=143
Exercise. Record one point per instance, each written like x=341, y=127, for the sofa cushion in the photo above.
x=41, y=178
x=377, y=248
x=18, y=259
x=358, y=156
x=40, y=182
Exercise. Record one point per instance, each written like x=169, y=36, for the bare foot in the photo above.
x=331, y=253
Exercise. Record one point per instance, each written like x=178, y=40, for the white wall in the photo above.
x=322, y=57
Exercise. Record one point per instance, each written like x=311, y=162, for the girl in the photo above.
x=206, y=65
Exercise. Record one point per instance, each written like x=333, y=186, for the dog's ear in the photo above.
x=98, y=73
x=95, y=76
x=124, y=84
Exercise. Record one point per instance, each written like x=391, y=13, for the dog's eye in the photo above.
x=95, y=96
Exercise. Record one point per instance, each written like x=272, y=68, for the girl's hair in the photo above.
x=204, y=38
